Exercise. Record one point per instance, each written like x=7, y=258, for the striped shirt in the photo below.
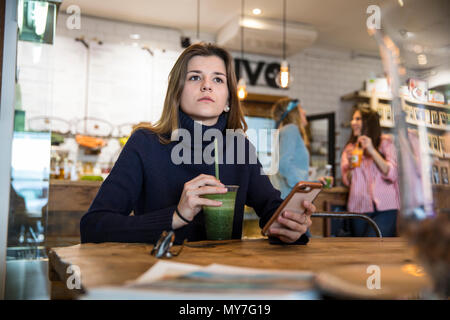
x=368, y=185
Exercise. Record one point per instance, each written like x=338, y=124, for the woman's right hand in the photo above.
x=349, y=158
x=191, y=203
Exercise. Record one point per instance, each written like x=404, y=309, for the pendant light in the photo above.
x=197, y=35
x=284, y=75
x=198, y=19
x=242, y=87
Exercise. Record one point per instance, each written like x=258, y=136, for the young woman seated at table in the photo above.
x=150, y=180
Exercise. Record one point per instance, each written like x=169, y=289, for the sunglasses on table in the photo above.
x=164, y=244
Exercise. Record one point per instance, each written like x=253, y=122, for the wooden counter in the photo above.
x=72, y=195
x=112, y=264
x=69, y=201
x=327, y=200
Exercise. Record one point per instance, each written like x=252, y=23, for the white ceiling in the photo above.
x=341, y=24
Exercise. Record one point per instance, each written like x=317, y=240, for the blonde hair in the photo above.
x=177, y=77
x=293, y=117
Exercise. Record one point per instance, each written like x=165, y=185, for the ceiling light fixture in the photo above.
x=256, y=11
x=284, y=76
x=422, y=59
x=242, y=87
x=135, y=36
x=406, y=34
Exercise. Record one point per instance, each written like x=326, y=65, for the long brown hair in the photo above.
x=370, y=126
x=293, y=117
x=177, y=77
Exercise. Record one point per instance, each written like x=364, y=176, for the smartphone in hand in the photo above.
x=302, y=191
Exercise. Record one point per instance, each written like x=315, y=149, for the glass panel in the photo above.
x=322, y=145
x=261, y=133
x=318, y=148
x=27, y=263
x=29, y=187
x=26, y=256
x=414, y=45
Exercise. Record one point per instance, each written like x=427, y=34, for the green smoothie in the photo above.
x=219, y=220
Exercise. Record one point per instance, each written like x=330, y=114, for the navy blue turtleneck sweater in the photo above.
x=146, y=181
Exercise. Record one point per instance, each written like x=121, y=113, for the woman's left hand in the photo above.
x=290, y=225
x=323, y=180
x=366, y=144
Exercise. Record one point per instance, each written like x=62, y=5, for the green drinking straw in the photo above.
x=216, y=158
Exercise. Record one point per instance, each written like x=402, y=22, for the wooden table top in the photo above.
x=112, y=264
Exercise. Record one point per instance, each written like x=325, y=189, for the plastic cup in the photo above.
x=328, y=182
x=219, y=220
x=357, y=155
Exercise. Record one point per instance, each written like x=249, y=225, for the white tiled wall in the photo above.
x=320, y=78
x=127, y=85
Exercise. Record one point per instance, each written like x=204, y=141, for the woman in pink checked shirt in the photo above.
x=373, y=185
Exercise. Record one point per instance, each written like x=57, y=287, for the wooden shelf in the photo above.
x=77, y=183
x=367, y=95
x=259, y=105
x=430, y=126
x=441, y=186
x=364, y=96
x=385, y=125
x=438, y=156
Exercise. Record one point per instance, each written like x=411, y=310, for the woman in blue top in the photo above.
x=161, y=179
x=293, y=145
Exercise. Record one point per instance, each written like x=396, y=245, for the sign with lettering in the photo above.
x=268, y=70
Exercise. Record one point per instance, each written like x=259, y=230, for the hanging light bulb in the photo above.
x=284, y=76
x=242, y=89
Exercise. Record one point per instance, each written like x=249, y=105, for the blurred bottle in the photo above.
x=61, y=171
x=88, y=168
x=54, y=169
x=78, y=171
x=97, y=171
x=328, y=177
x=66, y=169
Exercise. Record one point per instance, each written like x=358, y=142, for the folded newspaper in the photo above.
x=174, y=281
